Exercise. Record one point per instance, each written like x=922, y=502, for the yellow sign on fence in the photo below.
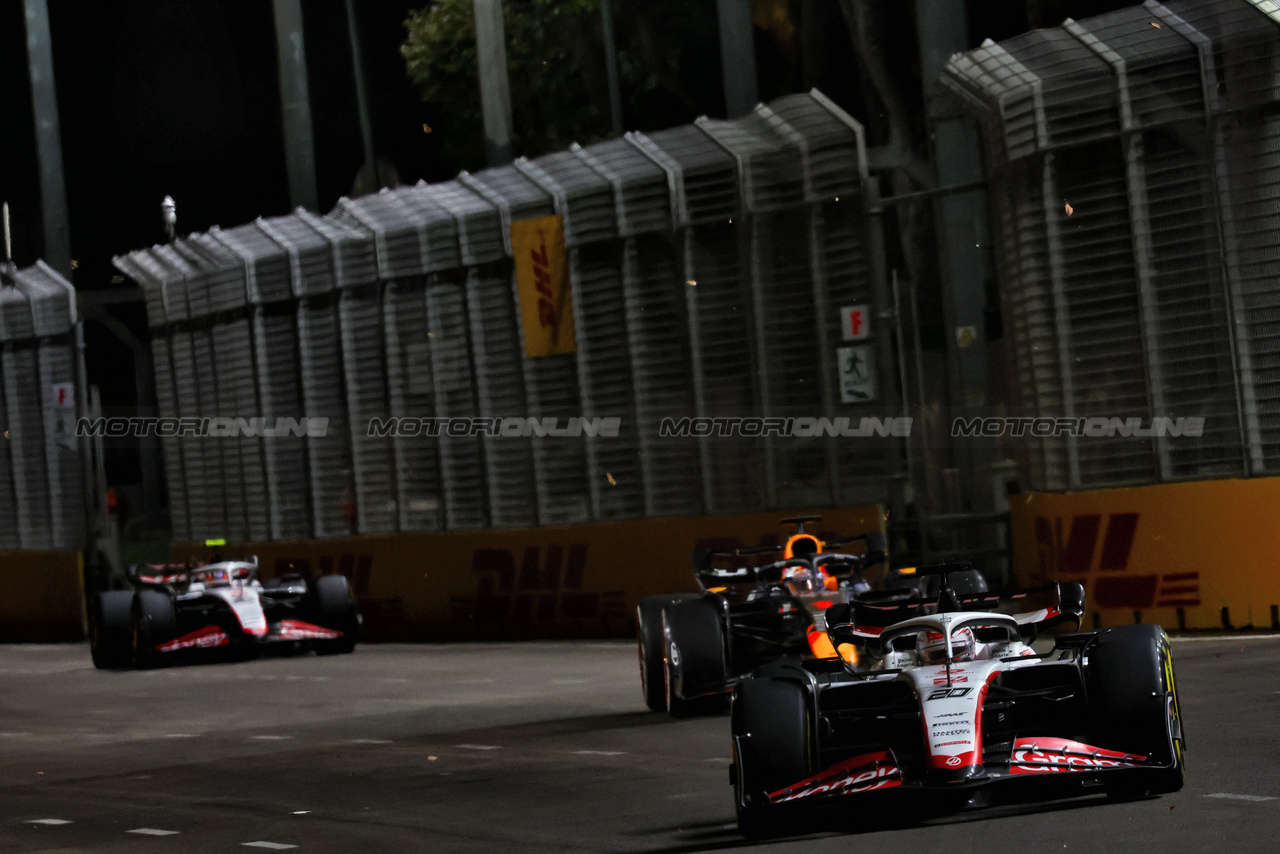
x=542, y=277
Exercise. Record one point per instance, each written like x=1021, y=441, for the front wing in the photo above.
x=282, y=631
x=1041, y=767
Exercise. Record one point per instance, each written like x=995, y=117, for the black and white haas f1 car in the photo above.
x=694, y=645
x=951, y=708
x=176, y=609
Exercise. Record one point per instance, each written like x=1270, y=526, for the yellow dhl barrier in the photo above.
x=1203, y=555
x=572, y=581
x=43, y=597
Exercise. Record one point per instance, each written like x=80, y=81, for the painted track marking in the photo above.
x=48, y=821
x=479, y=746
x=1224, y=638
x=151, y=831
x=273, y=737
x=600, y=752
x=1227, y=796
x=274, y=846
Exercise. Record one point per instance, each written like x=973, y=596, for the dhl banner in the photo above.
x=1202, y=555
x=572, y=581
x=43, y=597
x=542, y=278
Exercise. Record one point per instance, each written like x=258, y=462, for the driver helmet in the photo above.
x=804, y=581
x=933, y=646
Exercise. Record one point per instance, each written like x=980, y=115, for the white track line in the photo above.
x=479, y=746
x=48, y=821
x=274, y=846
x=1225, y=638
x=370, y=741
x=272, y=737
x=1226, y=796
x=151, y=831
x=600, y=753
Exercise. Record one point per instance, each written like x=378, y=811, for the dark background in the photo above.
x=179, y=97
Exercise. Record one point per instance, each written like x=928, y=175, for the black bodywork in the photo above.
x=764, y=620
x=694, y=646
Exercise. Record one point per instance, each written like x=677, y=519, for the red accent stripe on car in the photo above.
x=860, y=774
x=300, y=630
x=209, y=636
x=1048, y=755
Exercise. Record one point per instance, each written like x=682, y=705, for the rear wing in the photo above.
x=837, y=564
x=159, y=573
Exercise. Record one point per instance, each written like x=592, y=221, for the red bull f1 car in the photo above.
x=950, y=707
x=177, y=609
x=694, y=645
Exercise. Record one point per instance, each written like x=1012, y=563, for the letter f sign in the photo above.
x=855, y=322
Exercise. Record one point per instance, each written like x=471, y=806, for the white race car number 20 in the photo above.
x=947, y=693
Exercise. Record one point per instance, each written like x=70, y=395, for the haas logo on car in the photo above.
x=954, y=761
x=1038, y=755
x=859, y=774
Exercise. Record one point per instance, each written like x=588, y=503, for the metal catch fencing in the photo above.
x=708, y=266
x=42, y=504
x=1133, y=163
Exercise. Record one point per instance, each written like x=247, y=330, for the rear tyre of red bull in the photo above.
x=695, y=676
x=649, y=642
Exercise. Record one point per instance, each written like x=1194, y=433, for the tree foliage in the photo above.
x=555, y=58
x=548, y=66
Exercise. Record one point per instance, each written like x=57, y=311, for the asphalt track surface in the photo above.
x=519, y=747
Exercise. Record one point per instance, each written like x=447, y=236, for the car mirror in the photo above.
x=1071, y=598
x=876, y=543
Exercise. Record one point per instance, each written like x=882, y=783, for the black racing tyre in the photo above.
x=693, y=632
x=772, y=734
x=154, y=622
x=335, y=608
x=1133, y=704
x=110, y=629
x=649, y=642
